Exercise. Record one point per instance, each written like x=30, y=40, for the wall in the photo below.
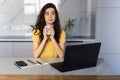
x=12, y=18
x=75, y=9
x=12, y=13
x=108, y=30
x=9, y=10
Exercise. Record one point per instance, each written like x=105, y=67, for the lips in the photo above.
x=50, y=19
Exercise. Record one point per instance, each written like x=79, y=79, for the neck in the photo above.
x=49, y=24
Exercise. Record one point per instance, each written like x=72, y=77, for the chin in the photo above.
x=50, y=22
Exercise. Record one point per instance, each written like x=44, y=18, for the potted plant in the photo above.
x=69, y=25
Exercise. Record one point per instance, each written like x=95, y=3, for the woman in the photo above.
x=52, y=45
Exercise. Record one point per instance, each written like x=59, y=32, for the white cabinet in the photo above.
x=6, y=49
x=108, y=31
x=23, y=49
x=16, y=49
x=108, y=26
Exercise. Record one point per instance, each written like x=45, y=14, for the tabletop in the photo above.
x=58, y=77
x=7, y=67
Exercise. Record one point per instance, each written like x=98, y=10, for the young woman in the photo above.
x=48, y=42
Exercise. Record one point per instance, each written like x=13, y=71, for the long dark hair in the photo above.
x=40, y=23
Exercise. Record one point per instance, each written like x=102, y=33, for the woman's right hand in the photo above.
x=44, y=33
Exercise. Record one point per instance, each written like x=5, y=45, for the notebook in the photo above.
x=23, y=64
x=79, y=57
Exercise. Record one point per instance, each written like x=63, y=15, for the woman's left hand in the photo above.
x=52, y=32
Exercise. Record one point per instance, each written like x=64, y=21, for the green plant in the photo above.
x=70, y=24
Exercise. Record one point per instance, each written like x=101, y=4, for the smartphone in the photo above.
x=21, y=63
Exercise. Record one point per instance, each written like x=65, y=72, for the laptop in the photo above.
x=79, y=57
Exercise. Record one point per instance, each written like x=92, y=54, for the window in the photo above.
x=30, y=6
x=34, y=6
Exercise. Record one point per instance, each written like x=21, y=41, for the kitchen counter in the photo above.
x=23, y=33
x=23, y=38
x=80, y=38
x=16, y=40
x=15, y=35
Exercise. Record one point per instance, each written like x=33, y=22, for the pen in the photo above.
x=31, y=61
x=38, y=62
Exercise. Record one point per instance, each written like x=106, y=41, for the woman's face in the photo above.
x=49, y=16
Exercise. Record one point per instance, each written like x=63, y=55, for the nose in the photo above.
x=50, y=15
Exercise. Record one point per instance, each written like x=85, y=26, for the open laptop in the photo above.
x=78, y=57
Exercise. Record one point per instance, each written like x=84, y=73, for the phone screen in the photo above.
x=21, y=63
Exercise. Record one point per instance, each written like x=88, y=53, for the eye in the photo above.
x=53, y=13
x=47, y=13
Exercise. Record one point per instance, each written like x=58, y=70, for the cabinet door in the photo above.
x=23, y=49
x=6, y=49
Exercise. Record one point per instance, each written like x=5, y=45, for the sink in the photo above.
x=15, y=37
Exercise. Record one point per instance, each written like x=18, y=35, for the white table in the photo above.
x=7, y=67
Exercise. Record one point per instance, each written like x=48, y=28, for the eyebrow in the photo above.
x=48, y=12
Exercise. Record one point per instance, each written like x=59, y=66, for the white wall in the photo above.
x=75, y=9
x=12, y=13
x=108, y=30
x=9, y=10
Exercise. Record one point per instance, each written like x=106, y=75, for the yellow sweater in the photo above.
x=49, y=50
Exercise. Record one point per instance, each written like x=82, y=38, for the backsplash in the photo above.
x=13, y=20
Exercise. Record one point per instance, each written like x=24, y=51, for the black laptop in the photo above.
x=79, y=57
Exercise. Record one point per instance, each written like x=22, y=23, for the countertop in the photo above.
x=15, y=35
x=16, y=40
x=28, y=38
x=7, y=67
x=24, y=34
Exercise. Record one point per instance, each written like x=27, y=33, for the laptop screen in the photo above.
x=81, y=56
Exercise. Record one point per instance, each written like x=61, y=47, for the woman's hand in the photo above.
x=44, y=33
x=52, y=32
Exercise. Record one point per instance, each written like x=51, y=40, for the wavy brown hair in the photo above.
x=40, y=23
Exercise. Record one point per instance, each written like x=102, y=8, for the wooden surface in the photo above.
x=58, y=77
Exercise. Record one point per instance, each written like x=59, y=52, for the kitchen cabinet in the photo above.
x=22, y=49
x=6, y=49
x=108, y=30
x=16, y=49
